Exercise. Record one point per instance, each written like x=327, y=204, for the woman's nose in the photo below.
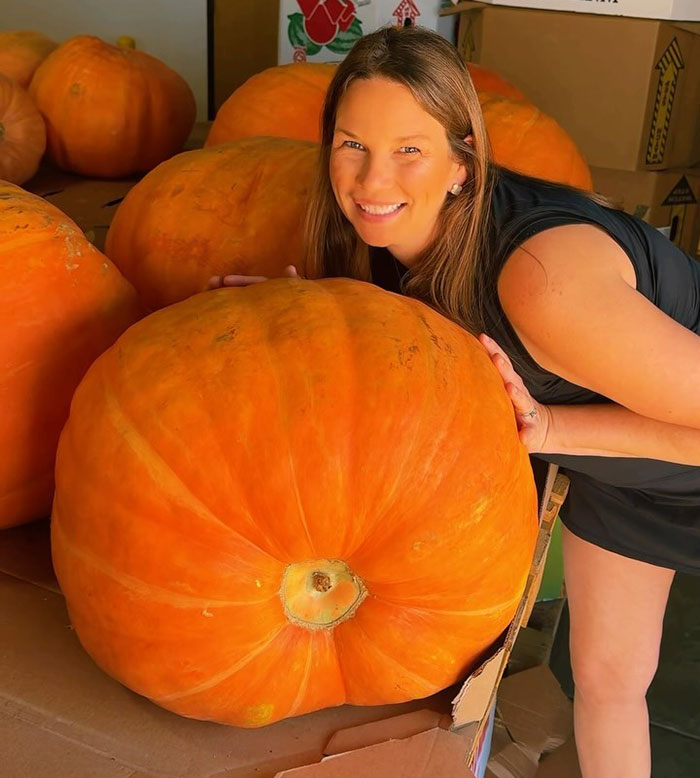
x=375, y=172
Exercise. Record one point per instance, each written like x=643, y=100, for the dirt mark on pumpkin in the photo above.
x=229, y=335
x=407, y=354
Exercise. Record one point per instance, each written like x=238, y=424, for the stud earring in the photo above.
x=456, y=189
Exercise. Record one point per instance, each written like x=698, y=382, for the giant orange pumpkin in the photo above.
x=21, y=53
x=22, y=133
x=531, y=142
x=111, y=112
x=234, y=208
x=285, y=101
x=289, y=496
x=62, y=303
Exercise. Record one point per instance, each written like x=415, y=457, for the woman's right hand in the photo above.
x=217, y=282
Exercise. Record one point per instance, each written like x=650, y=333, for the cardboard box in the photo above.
x=681, y=10
x=58, y=708
x=325, y=30
x=243, y=42
x=248, y=36
x=668, y=200
x=626, y=90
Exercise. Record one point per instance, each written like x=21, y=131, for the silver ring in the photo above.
x=529, y=414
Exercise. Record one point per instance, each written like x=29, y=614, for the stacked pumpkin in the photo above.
x=110, y=111
x=22, y=129
x=62, y=303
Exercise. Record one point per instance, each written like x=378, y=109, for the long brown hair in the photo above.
x=457, y=272
x=449, y=275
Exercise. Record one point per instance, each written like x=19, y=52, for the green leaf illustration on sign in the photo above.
x=298, y=37
x=344, y=41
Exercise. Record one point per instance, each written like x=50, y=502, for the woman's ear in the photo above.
x=469, y=140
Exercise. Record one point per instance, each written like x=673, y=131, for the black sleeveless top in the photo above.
x=641, y=508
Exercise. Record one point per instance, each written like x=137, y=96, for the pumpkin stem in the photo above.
x=2, y=130
x=320, y=593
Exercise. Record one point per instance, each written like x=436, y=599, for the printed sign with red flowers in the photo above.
x=330, y=23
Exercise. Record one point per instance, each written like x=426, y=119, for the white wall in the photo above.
x=175, y=31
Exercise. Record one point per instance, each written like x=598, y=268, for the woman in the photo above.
x=598, y=316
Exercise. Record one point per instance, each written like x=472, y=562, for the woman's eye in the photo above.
x=353, y=144
x=410, y=150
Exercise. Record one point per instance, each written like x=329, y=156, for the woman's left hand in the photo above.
x=534, y=420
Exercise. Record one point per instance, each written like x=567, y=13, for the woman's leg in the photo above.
x=617, y=607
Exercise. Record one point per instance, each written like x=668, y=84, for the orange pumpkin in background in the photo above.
x=111, y=112
x=290, y=496
x=285, y=101
x=528, y=141
x=233, y=208
x=22, y=133
x=488, y=80
x=21, y=53
x=62, y=303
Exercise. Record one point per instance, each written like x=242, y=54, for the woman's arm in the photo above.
x=569, y=294
x=602, y=430
x=609, y=430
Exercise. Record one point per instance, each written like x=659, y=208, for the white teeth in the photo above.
x=380, y=210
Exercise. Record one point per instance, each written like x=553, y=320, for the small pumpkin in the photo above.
x=111, y=112
x=526, y=140
x=233, y=208
x=21, y=53
x=22, y=133
x=285, y=101
x=62, y=303
x=290, y=496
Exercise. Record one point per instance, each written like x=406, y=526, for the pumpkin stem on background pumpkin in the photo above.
x=320, y=593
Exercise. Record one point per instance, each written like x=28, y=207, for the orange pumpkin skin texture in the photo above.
x=531, y=142
x=285, y=101
x=21, y=53
x=290, y=496
x=110, y=112
x=487, y=80
x=63, y=303
x=233, y=208
x=22, y=133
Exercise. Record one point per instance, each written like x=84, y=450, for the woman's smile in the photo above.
x=379, y=212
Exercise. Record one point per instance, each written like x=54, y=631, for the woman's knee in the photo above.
x=606, y=677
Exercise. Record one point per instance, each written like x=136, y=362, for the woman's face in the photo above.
x=391, y=166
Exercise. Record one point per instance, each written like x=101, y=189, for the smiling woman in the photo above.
x=594, y=325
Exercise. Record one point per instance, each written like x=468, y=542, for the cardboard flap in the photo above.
x=562, y=763
x=394, y=728
x=508, y=759
x=535, y=710
x=476, y=696
x=437, y=752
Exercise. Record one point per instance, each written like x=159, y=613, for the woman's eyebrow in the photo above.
x=402, y=138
